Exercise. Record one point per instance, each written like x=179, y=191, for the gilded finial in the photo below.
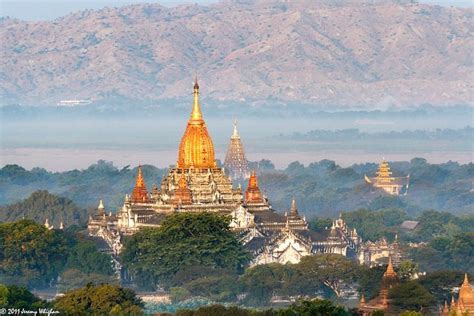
x=390, y=271
x=466, y=280
x=235, y=134
x=293, y=209
x=196, y=114
x=196, y=85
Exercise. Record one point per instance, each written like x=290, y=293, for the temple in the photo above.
x=385, y=181
x=465, y=303
x=235, y=162
x=382, y=301
x=196, y=184
x=376, y=253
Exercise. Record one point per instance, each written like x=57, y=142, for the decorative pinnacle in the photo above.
x=293, y=209
x=196, y=114
x=235, y=134
x=466, y=281
x=196, y=85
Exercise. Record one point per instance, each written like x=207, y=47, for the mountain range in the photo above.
x=316, y=52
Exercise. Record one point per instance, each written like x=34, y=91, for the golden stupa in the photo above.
x=465, y=303
x=196, y=149
x=140, y=193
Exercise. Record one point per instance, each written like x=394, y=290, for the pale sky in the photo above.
x=51, y=9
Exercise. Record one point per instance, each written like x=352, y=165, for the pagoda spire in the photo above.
x=235, y=161
x=235, y=133
x=466, y=280
x=390, y=272
x=140, y=193
x=293, y=209
x=196, y=149
x=196, y=114
x=253, y=194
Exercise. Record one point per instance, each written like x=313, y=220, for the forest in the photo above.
x=321, y=188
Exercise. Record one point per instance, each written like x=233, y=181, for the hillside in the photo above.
x=304, y=51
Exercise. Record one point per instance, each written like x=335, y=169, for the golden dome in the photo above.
x=196, y=149
x=465, y=292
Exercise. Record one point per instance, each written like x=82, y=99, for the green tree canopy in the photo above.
x=313, y=308
x=330, y=270
x=42, y=205
x=34, y=256
x=440, y=283
x=102, y=299
x=155, y=255
x=19, y=297
x=30, y=254
x=411, y=296
x=85, y=257
x=444, y=253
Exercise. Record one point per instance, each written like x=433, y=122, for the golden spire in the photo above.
x=196, y=114
x=384, y=171
x=253, y=194
x=140, y=193
x=390, y=272
x=196, y=149
x=466, y=281
x=466, y=295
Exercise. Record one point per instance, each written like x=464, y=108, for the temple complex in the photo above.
x=196, y=184
x=235, y=162
x=376, y=253
x=382, y=301
x=465, y=303
x=385, y=181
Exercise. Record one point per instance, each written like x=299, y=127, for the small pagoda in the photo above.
x=140, y=193
x=382, y=301
x=235, y=161
x=384, y=180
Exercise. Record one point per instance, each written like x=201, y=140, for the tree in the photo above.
x=30, y=254
x=219, y=310
x=374, y=225
x=155, y=255
x=440, y=283
x=85, y=257
x=313, y=308
x=444, y=253
x=411, y=296
x=260, y=283
x=407, y=270
x=19, y=297
x=72, y=279
x=218, y=288
x=318, y=224
x=332, y=270
x=410, y=313
x=99, y=300
x=42, y=205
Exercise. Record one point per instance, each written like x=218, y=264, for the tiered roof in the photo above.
x=235, y=161
x=140, y=193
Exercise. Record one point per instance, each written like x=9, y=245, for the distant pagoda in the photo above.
x=235, y=162
x=385, y=181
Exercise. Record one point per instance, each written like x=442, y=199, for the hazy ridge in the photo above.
x=310, y=52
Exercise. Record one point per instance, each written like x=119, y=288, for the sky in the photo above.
x=32, y=10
